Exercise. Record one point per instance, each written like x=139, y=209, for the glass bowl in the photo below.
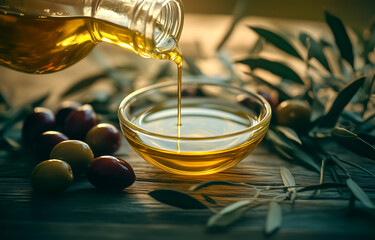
x=220, y=125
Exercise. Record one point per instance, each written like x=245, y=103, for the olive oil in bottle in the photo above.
x=35, y=44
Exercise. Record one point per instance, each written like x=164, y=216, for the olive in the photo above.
x=38, y=121
x=45, y=142
x=272, y=98
x=293, y=113
x=51, y=176
x=63, y=111
x=111, y=173
x=249, y=102
x=104, y=139
x=80, y=121
x=77, y=153
x=192, y=92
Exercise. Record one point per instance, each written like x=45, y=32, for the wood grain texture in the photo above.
x=83, y=212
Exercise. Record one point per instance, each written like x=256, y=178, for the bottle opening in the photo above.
x=168, y=25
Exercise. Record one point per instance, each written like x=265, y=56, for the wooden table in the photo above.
x=83, y=212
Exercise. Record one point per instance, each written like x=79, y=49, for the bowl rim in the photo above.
x=123, y=120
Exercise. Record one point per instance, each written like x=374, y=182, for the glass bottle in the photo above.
x=43, y=36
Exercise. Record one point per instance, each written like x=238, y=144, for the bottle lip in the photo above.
x=173, y=13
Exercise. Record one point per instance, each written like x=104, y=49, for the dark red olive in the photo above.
x=80, y=121
x=192, y=92
x=63, y=111
x=110, y=173
x=104, y=139
x=45, y=142
x=272, y=99
x=38, y=121
x=249, y=102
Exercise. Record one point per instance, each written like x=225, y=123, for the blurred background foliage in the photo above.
x=353, y=12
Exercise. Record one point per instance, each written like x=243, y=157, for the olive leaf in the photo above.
x=356, y=166
x=288, y=180
x=359, y=193
x=239, y=12
x=315, y=50
x=209, y=199
x=229, y=214
x=370, y=43
x=335, y=177
x=274, y=218
x=289, y=133
x=320, y=186
x=341, y=37
x=292, y=150
x=342, y=99
x=353, y=142
x=82, y=84
x=214, y=183
x=9, y=144
x=317, y=107
x=277, y=68
x=277, y=41
x=287, y=177
x=177, y=199
x=283, y=95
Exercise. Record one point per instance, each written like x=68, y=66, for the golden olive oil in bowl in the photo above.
x=216, y=131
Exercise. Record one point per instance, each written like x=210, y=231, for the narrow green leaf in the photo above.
x=320, y=186
x=317, y=107
x=239, y=12
x=209, y=199
x=292, y=150
x=288, y=180
x=341, y=37
x=315, y=50
x=359, y=193
x=336, y=177
x=84, y=83
x=283, y=95
x=274, y=218
x=277, y=41
x=289, y=133
x=277, y=68
x=357, y=166
x=213, y=183
x=39, y=101
x=9, y=144
x=342, y=99
x=353, y=142
x=287, y=177
x=177, y=199
x=229, y=214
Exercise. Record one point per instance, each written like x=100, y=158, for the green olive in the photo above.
x=51, y=176
x=77, y=153
x=293, y=113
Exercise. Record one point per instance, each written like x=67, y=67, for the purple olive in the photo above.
x=192, y=92
x=63, y=112
x=45, y=142
x=80, y=121
x=38, y=121
x=104, y=139
x=110, y=173
x=272, y=99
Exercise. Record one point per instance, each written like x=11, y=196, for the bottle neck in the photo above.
x=157, y=24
